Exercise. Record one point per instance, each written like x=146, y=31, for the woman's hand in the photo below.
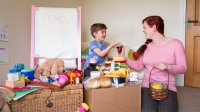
x=161, y=66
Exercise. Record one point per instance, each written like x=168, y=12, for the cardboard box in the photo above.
x=15, y=84
x=124, y=99
x=13, y=76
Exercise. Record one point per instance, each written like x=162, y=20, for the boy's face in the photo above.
x=100, y=35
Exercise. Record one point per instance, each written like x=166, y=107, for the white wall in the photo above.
x=124, y=20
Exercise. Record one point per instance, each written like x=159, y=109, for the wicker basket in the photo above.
x=158, y=94
x=65, y=100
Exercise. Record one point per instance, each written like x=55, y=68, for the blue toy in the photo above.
x=18, y=67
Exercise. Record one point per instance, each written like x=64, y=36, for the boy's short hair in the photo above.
x=96, y=27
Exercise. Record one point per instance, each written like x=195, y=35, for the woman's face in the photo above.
x=148, y=31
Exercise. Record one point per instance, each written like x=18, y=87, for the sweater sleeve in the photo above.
x=136, y=65
x=180, y=66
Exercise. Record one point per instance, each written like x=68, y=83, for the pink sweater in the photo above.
x=172, y=54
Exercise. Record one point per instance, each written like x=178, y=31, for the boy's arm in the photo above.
x=105, y=51
x=102, y=52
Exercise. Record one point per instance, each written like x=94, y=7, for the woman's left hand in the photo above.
x=161, y=66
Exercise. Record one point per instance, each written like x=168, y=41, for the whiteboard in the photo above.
x=55, y=33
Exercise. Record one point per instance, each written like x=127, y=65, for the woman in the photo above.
x=163, y=54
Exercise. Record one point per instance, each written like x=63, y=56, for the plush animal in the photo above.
x=50, y=67
x=44, y=69
x=57, y=67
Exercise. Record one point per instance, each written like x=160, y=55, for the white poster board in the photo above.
x=56, y=33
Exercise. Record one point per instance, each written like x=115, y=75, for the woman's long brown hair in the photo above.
x=151, y=20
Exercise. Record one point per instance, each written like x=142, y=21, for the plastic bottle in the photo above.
x=77, y=80
x=112, y=67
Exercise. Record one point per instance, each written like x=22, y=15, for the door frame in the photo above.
x=180, y=78
x=183, y=20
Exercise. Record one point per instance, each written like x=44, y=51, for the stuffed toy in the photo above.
x=50, y=67
x=44, y=69
x=57, y=67
x=4, y=107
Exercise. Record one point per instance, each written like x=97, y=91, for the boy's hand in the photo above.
x=113, y=44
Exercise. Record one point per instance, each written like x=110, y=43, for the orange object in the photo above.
x=71, y=81
x=73, y=75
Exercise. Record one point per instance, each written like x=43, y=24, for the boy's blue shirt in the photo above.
x=94, y=44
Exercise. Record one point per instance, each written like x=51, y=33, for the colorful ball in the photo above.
x=84, y=107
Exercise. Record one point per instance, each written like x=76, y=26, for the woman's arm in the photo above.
x=136, y=65
x=180, y=67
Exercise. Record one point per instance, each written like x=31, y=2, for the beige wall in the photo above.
x=17, y=15
x=122, y=17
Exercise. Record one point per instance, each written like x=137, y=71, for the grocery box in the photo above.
x=13, y=84
x=124, y=99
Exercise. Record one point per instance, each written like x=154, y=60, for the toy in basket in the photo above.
x=51, y=74
x=158, y=90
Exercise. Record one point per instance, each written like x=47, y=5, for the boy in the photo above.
x=97, y=48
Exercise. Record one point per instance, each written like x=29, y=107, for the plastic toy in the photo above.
x=71, y=76
x=84, y=107
x=62, y=79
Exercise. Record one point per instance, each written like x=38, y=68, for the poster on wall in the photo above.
x=3, y=33
x=4, y=55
